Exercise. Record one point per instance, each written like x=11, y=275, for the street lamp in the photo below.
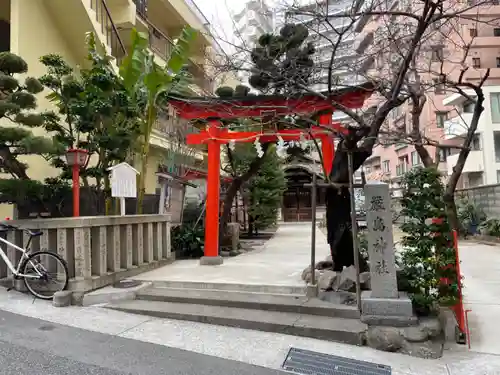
x=76, y=158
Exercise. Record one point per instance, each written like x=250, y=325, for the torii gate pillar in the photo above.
x=212, y=257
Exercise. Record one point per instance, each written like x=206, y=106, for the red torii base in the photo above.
x=215, y=109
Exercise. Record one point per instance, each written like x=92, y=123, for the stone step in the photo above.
x=248, y=300
x=349, y=331
x=254, y=288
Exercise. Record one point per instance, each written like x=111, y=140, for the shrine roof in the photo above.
x=191, y=108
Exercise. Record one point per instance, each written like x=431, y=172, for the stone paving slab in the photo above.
x=280, y=262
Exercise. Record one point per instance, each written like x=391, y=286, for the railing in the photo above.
x=99, y=250
x=163, y=45
x=141, y=7
x=108, y=28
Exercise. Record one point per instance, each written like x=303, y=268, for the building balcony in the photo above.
x=161, y=45
x=474, y=162
x=76, y=18
x=485, y=42
x=487, y=10
x=169, y=133
x=457, y=126
x=364, y=41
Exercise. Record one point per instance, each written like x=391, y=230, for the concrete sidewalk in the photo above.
x=254, y=347
x=280, y=262
x=481, y=268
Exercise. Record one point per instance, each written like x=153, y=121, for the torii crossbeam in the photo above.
x=216, y=109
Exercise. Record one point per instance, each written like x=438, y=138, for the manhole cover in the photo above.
x=124, y=284
x=312, y=363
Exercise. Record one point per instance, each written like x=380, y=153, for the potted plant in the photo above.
x=470, y=216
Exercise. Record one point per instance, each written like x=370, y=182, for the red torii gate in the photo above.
x=216, y=109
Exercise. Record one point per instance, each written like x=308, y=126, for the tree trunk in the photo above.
x=142, y=179
x=338, y=212
x=250, y=226
x=451, y=212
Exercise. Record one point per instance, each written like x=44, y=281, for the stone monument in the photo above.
x=383, y=304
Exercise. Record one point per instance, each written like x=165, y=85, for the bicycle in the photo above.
x=28, y=263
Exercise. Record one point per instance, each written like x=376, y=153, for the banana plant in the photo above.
x=147, y=82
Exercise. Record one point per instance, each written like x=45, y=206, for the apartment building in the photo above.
x=326, y=30
x=253, y=19
x=32, y=28
x=446, y=115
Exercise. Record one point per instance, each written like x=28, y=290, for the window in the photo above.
x=415, y=159
x=495, y=107
x=469, y=107
x=437, y=54
x=496, y=31
x=386, y=166
x=476, y=143
x=443, y=154
x=476, y=62
x=4, y=36
x=441, y=117
x=498, y=62
x=498, y=177
x=438, y=86
x=496, y=141
x=473, y=33
x=396, y=112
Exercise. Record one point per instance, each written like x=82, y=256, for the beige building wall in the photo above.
x=58, y=26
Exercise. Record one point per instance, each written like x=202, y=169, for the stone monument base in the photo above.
x=394, y=312
x=211, y=261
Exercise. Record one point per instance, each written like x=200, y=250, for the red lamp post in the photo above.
x=76, y=158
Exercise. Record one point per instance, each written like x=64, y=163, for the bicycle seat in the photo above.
x=34, y=233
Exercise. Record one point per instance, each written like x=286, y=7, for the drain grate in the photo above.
x=312, y=363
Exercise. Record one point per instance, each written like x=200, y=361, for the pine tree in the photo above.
x=265, y=192
x=282, y=63
x=19, y=120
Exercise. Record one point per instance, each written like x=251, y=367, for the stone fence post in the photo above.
x=99, y=250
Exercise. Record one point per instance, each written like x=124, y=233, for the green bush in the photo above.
x=188, y=240
x=428, y=259
x=490, y=227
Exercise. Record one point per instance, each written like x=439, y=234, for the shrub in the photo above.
x=490, y=227
x=188, y=240
x=428, y=259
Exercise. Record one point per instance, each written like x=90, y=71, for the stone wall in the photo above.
x=99, y=250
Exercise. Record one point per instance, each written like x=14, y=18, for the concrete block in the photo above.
x=312, y=291
x=389, y=321
x=110, y=294
x=77, y=298
x=211, y=261
x=62, y=299
x=386, y=307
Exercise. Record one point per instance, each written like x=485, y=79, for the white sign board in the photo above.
x=123, y=181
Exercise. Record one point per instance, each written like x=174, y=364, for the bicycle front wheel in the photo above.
x=45, y=274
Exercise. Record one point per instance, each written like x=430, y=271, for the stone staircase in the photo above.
x=280, y=309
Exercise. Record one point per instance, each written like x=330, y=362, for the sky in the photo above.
x=218, y=13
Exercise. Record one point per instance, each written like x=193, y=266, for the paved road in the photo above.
x=32, y=346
